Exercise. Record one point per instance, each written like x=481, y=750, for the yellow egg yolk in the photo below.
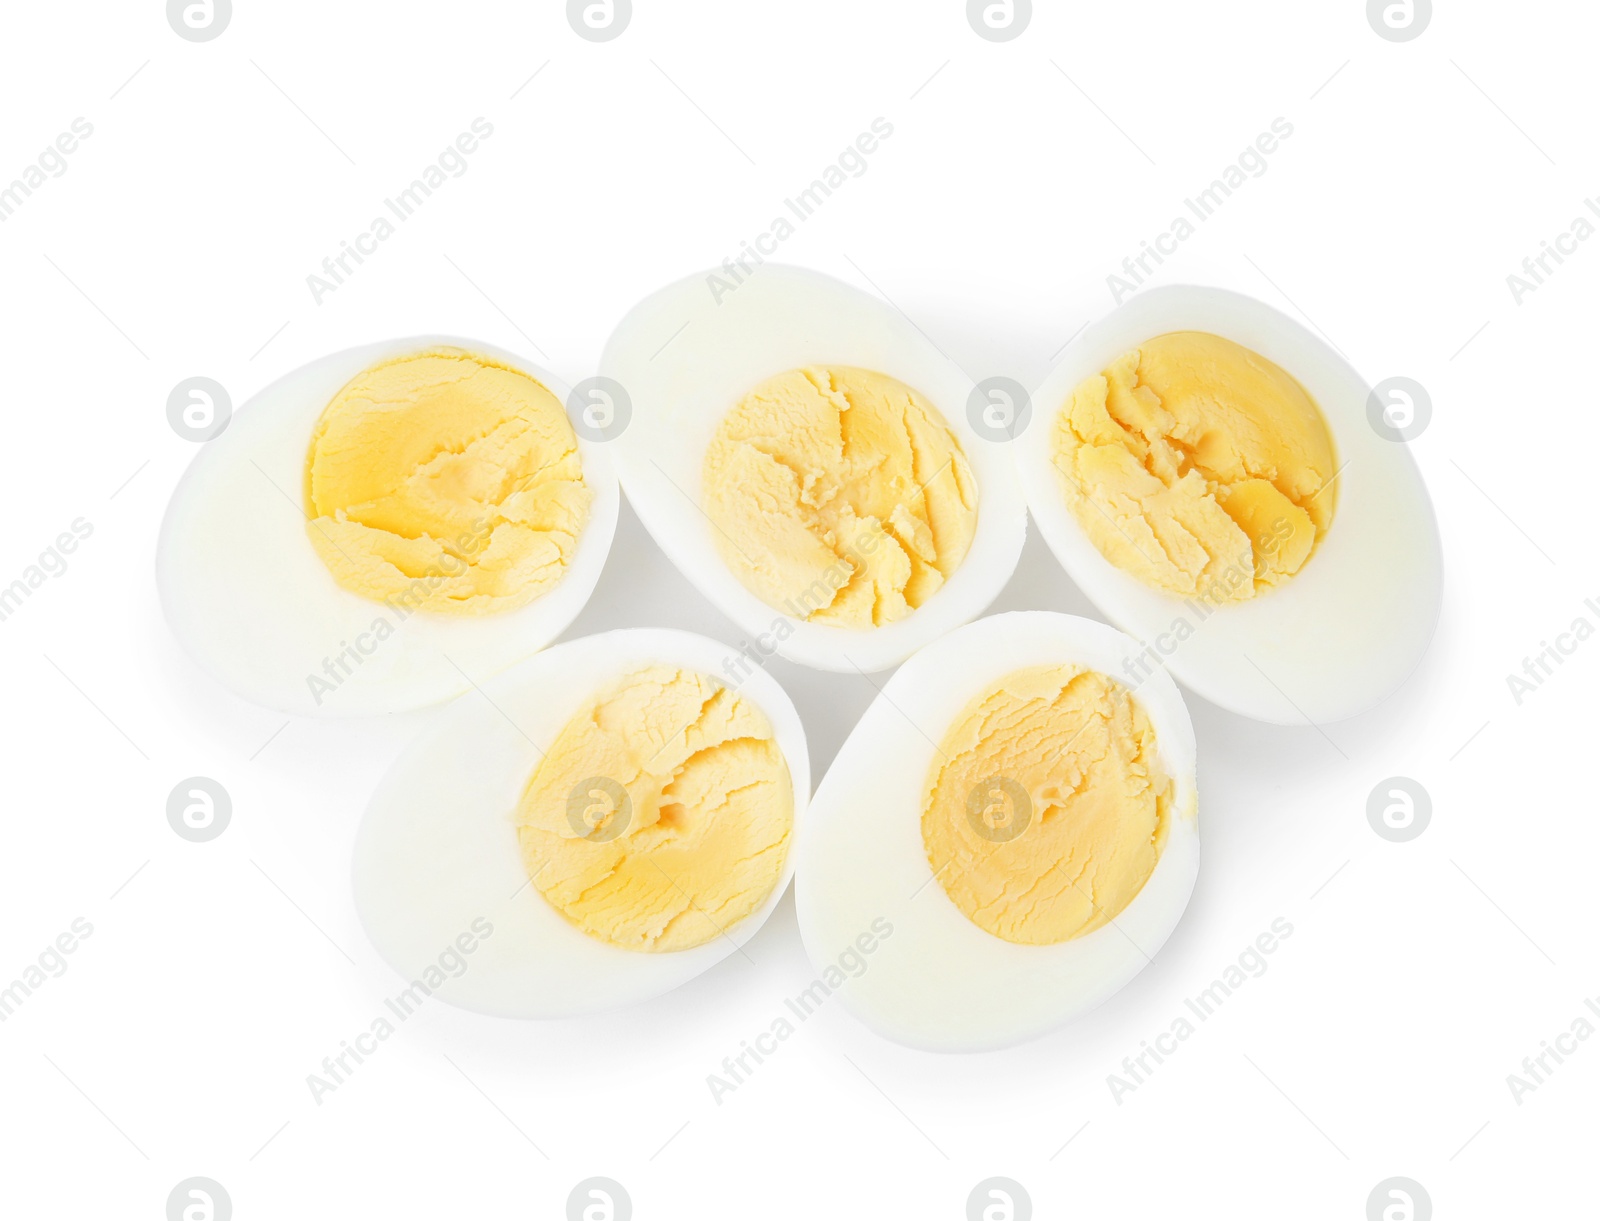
x=445, y=482
x=839, y=496
x=1198, y=466
x=661, y=814
x=1046, y=808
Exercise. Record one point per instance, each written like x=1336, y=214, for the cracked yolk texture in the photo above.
x=1198, y=466
x=1046, y=808
x=688, y=801
x=445, y=482
x=839, y=496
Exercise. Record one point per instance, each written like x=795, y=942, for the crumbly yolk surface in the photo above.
x=445, y=482
x=839, y=496
x=1046, y=807
x=661, y=815
x=1199, y=466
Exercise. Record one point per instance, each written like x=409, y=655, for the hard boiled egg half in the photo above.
x=1228, y=490
x=384, y=526
x=1005, y=840
x=591, y=828
x=806, y=456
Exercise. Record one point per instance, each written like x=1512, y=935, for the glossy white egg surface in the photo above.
x=687, y=354
x=1347, y=629
x=437, y=849
x=937, y=981
x=250, y=600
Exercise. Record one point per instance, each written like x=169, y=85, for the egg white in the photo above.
x=1341, y=634
x=685, y=359
x=251, y=601
x=438, y=848
x=938, y=981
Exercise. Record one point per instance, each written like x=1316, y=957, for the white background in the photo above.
x=178, y=242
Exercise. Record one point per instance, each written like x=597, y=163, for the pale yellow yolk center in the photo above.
x=660, y=816
x=445, y=482
x=1046, y=807
x=1198, y=466
x=839, y=496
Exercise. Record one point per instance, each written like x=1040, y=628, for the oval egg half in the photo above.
x=445, y=850
x=688, y=357
x=251, y=600
x=949, y=958
x=1337, y=636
